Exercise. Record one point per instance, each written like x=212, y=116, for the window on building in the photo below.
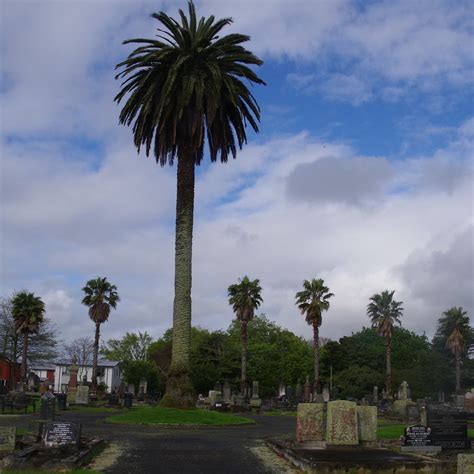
x=100, y=371
x=65, y=370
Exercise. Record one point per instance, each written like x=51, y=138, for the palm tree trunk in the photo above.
x=95, y=356
x=316, y=357
x=388, y=353
x=243, y=375
x=23, y=359
x=458, y=372
x=179, y=389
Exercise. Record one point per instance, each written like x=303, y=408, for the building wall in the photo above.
x=111, y=377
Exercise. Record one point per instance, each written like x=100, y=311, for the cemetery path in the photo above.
x=146, y=449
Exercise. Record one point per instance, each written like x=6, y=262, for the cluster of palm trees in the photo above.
x=28, y=313
x=383, y=310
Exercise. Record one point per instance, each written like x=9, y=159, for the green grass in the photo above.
x=94, y=409
x=171, y=416
x=21, y=431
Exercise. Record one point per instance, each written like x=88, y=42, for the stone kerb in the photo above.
x=342, y=423
x=367, y=423
x=310, y=423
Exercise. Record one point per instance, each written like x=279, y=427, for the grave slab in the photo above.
x=342, y=423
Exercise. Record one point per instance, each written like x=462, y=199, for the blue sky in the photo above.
x=361, y=173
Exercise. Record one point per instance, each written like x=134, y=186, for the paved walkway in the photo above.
x=141, y=449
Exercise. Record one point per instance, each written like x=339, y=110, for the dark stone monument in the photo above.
x=47, y=406
x=418, y=435
x=127, y=400
x=413, y=413
x=62, y=401
x=114, y=399
x=61, y=434
x=449, y=429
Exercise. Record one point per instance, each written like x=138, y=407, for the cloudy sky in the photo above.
x=362, y=173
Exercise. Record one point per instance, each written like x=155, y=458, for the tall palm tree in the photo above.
x=28, y=313
x=454, y=327
x=100, y=296
x=245, y=297
x=183, y=87
x=312, y=301
x=384, y=311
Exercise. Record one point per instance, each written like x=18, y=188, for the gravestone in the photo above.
x=82, y=395
x=72, y=384
x=307, y=390
x=326, y=396
x=62, y=401
x=417, y=439
x=403, y=392
x=412, y=413
x=281, y=390
x=367, y=423
x=376, y=394
x=227, y=392
x=449, y=430
x=459, y=401
x=255, y=401
x=113, y=399
x=61, y=434
x=465, y=463
x=127, y=400
x=310, y=423
x=143, y=386
x=469, y=402
x=7, y=439
x=342, y=423
x=213, y=397
x=299, y=391
x=47, y=407
x=131, y=388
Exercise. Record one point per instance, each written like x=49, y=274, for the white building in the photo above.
x=108, y=372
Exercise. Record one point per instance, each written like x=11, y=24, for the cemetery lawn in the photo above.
x=171, y=416
x=394, y=431
x=94, y=409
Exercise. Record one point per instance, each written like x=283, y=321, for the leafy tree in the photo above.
x=185, y=86
x=134, y=370
x=43, y=345
x=28, y=312
x=312, y=301
x=356, y=382
x=132, y=346
x=100, y=296
x=384, y=311
x=454, y=328
x=245, y=297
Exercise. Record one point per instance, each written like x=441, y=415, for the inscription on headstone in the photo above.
x=449, y=430
x=342, y=423
x=7, y=439
x=418, y=435
x=61, y=434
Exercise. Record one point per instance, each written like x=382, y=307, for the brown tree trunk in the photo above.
x=95, y=356
x=316, y=358
x=244, y=337
x=458, y=372
x=388, y=353
x=23, y=360
x=179, y=389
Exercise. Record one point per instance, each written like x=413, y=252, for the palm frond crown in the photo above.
x=454, y=326
x=384, y=312
x=245, y=297
x=28, y=312
x=313, y=300
x=186, y=85
x=100, y=296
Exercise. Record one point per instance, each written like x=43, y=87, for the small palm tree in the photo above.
x=384, y=311
x=28, y=313
x=100, y=296
x=312, y=301
x=183, y=87
x=454, y=327
x=245, y=297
